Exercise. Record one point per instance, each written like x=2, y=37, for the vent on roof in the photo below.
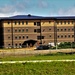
x=29, y=15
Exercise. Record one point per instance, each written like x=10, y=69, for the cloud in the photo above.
x=70, y=11
x=42, y=4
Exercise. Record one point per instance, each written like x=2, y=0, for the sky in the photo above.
x=37, y=7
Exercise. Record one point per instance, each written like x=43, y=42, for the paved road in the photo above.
x=36, y=61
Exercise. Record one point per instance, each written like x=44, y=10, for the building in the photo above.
x=29, y=30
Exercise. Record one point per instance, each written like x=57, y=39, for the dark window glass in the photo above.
x=72, y=29
x=9, y=37
x=49, y=29
x=65, y=36
x=8, y=22
x=19, y=37
x=64, y=29
x=19, y=30
x=15, y=22
x=61, y=36
x=26, y=30
x=38, y=30
x=22, y=22
x=34, y=23
x=49, y=21
x=22, y=30
x=68, y=22
x=64, y=22
x=68, y=29
x=72, y=35
x=26, y=22
x=15, y=30
x=35, y=30
x=49, y=35
x=68, y=35
x=8, y=30
x=19, y=22
x=58, y=36
x=40, y=37
x=15, y=37
x=57, y=29
x=23, y=37
x=26, y=37
x=38, y=23
x=8, y=44
x=61, y=29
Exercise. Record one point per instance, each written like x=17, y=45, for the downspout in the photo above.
x=12, y=32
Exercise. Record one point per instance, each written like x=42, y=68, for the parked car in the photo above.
x=42, y=47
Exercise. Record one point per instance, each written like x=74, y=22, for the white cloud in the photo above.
x=68, y=12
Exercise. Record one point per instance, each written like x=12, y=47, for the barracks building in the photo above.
x=29, y=30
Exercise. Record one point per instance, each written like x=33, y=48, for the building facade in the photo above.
x=28, y=30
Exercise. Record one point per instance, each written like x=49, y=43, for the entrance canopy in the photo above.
x=29, y=43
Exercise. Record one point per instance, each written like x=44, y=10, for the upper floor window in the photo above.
x=22, y=30
x=27, y=37
x=15, y=22
x=35, y=30
x=68, y=29
x=34, y=23
x=49, y=21
x=64, y=22
x=26, y=22
x=38, y=23
x=22, y=22
x=8, y=30
x=64, y=29
x=27, y=30
x=19, y=22
x=8, y=22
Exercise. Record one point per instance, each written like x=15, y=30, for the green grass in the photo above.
x=57, y=56
x=52, y=68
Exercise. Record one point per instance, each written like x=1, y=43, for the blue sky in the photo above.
x=37, y=7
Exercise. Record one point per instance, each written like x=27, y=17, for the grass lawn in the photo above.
x=57, y=56
x=52, y=68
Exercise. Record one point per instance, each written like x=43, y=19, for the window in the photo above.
x=61, y=22
x=61, y=29
x=68, y=22
x=9, y=37
x=15, y=22
x=19, y=30
x=38, y=23
x=22, y=22
x=8, y=44
x=68, y=35
x=27, y=37
x=68, y=29
x=72, y=22
x=15, y=44
x=34, y=23
x=72, y=29
x=49, y=29
x=19, y=37
x=26, y=22
x=40, y=37
x=64, y=29
x=61, y=36
x=57, y=29
x=8, y=22
x=27, y=30
x=64, y=22
x=58, y=36
x=38, y=30
x=35, y=30
x=22, y=30
x=23, y=37
x=19, y=22
x=72, y=35
x=49, y=21
x=8, y=30
x=15, y=37
x=15, y=30
x=65, y=36
x=49, y=35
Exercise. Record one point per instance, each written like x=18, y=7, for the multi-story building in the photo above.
x=28, y=30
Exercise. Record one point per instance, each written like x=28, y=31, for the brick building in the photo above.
x=23, y=30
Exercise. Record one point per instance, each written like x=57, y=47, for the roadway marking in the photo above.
x=35, y=61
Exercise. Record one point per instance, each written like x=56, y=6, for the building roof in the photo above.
x=31, y=17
